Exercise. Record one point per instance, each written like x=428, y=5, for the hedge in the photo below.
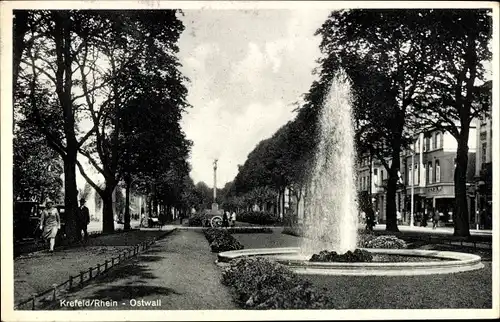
x=258, y=217
x=221, y=241
x=258, y=283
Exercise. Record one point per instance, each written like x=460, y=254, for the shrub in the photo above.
x=262, y=284
x=386, y=241
x=258, y=217
x=364, y=237
x=357, y=256
x=221, y=241
x=196, y=220
x=249, y=230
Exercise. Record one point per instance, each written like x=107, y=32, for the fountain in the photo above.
x=331, y=221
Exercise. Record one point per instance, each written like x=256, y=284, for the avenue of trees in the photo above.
x=410, y=71
x=104, y=87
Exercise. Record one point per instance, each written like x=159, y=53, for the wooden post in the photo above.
x=81, y=278
x=54, y=296
x=34, y=301
x=70, y=282
x=90, y=273
x=106, y=265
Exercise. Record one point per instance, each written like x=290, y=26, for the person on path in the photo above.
x=233, y=219
x=435, y=220
x=50, y=223
x=83, y=219
x=225, y=219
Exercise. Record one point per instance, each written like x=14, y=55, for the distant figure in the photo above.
x=435, y=220
x=50, y=223
x=225, y=219
x=398, y=216
x=425, y=217
x=370, y=219
x=143, y=220
x=233, y=219
x=83, y=219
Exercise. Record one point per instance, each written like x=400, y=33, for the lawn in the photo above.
x=459, y=290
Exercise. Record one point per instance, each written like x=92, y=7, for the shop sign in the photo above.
x=435, y=189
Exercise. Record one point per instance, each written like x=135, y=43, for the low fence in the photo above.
x=57, y=291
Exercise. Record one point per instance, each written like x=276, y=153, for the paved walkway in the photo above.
x=36, y=272
x=177, y=273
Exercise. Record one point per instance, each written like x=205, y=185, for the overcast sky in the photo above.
x=246, y=69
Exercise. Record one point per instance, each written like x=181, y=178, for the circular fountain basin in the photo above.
x=433, y=262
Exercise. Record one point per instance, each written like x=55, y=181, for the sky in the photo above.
x=246, y=69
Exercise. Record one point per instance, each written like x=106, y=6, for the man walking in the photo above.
x=83, y=219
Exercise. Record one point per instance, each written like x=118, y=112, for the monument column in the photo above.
x=215, y=180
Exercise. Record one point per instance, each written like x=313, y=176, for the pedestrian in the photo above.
x=225, y=219
x=233, y=219
x=50, y=223
x=370, y=220
x=435, y=220
x=83, y=219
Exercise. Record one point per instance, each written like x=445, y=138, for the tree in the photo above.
x=37, y=168
x=391, y=46
x=458, y=91
x=142, y=80
x=47, y=82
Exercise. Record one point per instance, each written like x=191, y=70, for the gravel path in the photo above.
x=178, y=273
x=36, y=272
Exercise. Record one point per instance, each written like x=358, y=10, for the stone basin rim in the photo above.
x=457, y=262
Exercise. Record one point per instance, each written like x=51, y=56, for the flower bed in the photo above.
x=351, y=257
x=249, y=230
x=220, y=240
x=385, y=241
x=262, y=284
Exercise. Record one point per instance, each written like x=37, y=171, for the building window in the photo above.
x=417, y=145
x=427, y=146
x=429, y=172
x=431, y=145
x=410, y=177
x=381, y=176
x=438, y=172
x=375, y=171
x=416, y=174
x=438, y=139
x=484, y=149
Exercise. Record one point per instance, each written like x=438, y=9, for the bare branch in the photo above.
x=87, y=178
x=92, y=161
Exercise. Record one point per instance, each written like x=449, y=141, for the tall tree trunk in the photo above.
x=70, y=197
x=461, y=213
x=126, y=225
x=107, y=209
x=62, y=39
x=392, y=180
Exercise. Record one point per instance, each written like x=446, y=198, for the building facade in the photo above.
x=427, y=172
x=483, y=174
